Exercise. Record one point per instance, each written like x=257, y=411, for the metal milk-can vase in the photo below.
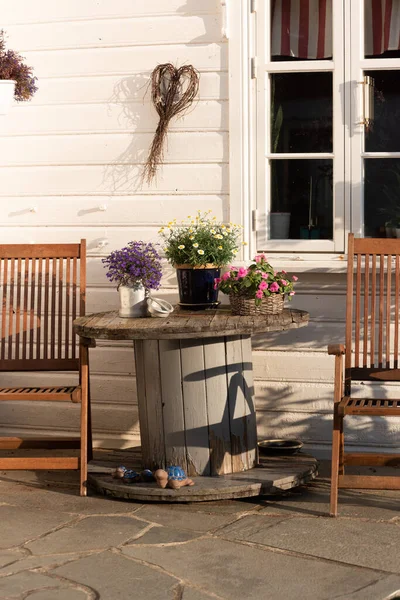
x=132, y=300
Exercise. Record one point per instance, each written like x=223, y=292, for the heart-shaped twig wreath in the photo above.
x=172, y=92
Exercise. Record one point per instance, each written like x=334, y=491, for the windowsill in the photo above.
x=313, y=263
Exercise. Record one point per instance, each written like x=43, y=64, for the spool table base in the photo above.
x=274, y=475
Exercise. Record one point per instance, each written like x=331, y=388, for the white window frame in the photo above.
x=247, y=179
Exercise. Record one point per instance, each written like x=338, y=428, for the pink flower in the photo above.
x=259, y=257
x=283, y=271
x=292, y=293
x=242, y=272
x=259, y=294
x=225, y=276
x=274, y=287
x=283, y=282
x=263, y=285
x=295, y=278
x=217, y=281
x=264, y=275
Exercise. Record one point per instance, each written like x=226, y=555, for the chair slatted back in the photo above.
x=43, y=289
x=372, y=310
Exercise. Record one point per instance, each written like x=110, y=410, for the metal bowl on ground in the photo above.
x=279, y=446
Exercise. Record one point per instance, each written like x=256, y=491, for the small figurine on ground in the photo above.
x=174, y=477
x=130, y=476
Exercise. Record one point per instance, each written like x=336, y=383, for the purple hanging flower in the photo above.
x=12, y=66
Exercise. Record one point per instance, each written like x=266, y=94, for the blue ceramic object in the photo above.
x=131, y=476
x=147, y=475
x=176, y=473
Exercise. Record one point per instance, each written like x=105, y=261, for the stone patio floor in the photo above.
x=55, y=545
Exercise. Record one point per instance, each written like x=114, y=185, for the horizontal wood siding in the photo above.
x=70, y=166
x=71, y=161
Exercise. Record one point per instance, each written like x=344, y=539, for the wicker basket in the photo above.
x=270, y=305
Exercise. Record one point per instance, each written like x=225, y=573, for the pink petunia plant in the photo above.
x=259, y=280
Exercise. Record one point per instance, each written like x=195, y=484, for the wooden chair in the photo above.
x=43, y=291
x=371, y=354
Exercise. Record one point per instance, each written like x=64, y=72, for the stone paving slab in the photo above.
x=313, y=500
x=67, y=501
x=90, y=533
x=236, y=571
x=58, y=595
x=367, y=544
x=43, y=563
x=21, y=583
x=165, y=535
x=19, y=526
x=55, y=545
x=187, y=519
x=115, y=577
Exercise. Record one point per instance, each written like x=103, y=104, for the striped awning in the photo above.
x=303, y=28
x=382, y=30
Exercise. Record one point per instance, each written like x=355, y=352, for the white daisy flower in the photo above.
x=181, y=247
x=195, y=245
x=200, y=252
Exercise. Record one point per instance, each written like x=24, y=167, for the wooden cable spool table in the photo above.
x=195, y=393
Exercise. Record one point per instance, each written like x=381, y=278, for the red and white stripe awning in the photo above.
x=382, y=29
x=303, y=28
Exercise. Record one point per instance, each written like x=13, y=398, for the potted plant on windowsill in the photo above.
x=198, y=249
x=137, y=269
x=257, y=289
x=16, y=78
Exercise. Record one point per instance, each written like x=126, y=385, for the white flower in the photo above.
x=191, y=237
x=219, y=247
x=181, y=247
x=200, y=252
x=213, y=231
x=224, y=233
x=219, y=236
x=195, y=245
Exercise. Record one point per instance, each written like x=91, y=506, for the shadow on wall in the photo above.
x=131, y=93
x=125, y=171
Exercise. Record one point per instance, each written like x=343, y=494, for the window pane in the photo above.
x=384, y=133
x=301, y=29
x=301, y=112
x=381, y=196
x=382, y=28
x=301, y=199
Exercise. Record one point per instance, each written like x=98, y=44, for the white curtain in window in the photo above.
x=382, y=26
x=303, y=28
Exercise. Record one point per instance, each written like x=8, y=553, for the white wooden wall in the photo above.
x=70, y=165
x=78, y=147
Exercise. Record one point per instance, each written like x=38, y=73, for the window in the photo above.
x=327, y=122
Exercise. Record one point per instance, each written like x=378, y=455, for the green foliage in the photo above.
x=201, y=241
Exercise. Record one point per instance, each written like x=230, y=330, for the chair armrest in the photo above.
x=336, y=349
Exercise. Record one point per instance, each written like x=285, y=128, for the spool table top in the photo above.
x=186, y=324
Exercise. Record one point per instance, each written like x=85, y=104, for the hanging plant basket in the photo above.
x=270, y=305
x=7, y=90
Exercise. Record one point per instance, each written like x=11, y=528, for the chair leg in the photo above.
x=84, y=419
x=337, y=435
x=90, y=440
x=341, y=446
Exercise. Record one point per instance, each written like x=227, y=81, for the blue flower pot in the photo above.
x=196, y=287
